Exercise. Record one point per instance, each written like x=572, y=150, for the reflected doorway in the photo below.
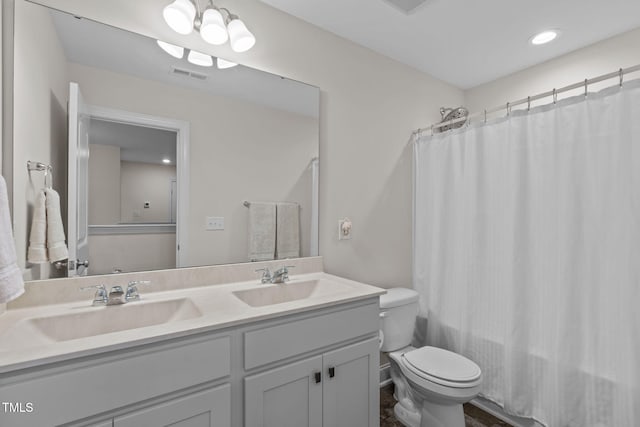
x=136, y=182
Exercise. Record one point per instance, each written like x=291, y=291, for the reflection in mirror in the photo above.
x=132, y=174
x=250, y=136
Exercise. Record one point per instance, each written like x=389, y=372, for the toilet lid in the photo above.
x=443, y=364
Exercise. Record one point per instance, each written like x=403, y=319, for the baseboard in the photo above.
x=385, y=374
x=495, y=410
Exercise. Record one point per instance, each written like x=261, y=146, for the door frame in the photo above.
x=181, y=128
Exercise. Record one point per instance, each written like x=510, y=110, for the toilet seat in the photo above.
x=442, y=367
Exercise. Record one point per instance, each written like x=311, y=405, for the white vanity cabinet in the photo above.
x=92, y=390
x=209, y=408
x=315, y=367
x=336, y=389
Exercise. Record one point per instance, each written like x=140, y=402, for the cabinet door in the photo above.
x=285, y=397
x=209, y=408
x=351, y=389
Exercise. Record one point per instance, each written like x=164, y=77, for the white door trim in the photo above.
x=181, y=127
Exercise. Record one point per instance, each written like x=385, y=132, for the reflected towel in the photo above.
x=262, y=231
x=11, y=283
x=37, y=252
x=287, y=230
x=56, y=246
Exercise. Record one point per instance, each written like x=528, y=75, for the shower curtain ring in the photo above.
x=621, y=76
x=555, y=95
x=586, y=83
x=508, y=109
x=485, y=116
x=528, y=103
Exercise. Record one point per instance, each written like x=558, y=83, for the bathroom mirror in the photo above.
x=252, y=136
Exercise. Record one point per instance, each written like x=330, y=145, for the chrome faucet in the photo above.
x=101, y=296
x=281, y=275
x=266, y=275
x=132, y=290
x=116, y=295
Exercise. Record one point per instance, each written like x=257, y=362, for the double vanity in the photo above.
x=234, y=352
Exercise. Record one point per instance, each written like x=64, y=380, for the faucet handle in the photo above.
x=132, y=289
x=101, y=296
x=285, y=269
x=266, y=275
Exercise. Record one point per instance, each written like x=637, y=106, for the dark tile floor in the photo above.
x=473, y=416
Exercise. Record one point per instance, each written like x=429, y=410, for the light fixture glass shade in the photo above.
x=179, y=15
x=172, y=49
x=241, y=38
x=213, y=29
x=199, y=58
x=223, y=64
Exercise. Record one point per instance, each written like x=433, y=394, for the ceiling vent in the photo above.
x=406, y=6
x=188, y=73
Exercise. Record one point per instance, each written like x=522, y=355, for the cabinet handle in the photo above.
x=332, y=372
x=318, y=377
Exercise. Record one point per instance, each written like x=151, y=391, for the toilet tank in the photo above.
x=398, y=310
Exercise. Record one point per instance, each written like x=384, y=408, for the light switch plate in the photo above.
x=214, y=223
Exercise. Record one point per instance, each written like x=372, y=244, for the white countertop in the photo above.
x=22, y=345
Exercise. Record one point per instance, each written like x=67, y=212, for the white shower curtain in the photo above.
x=527, y=256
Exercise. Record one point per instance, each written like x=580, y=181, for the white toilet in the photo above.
x=431, y=384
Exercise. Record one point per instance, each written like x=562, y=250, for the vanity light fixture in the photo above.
x=199, y=58
x=171, y=49
x=195, y=57
x=223, y=64
x=544, y=37
x=185, y=15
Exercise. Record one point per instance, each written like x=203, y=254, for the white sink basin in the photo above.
x=280, y=293
x=103, y=320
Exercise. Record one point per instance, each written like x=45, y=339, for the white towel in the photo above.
x=287, y=230
x=262, y=231
x=11, y=283
x=37, y=252
x=56, y=247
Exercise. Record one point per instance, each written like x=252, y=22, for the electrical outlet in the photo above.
x=345, y=229
x=214, y=223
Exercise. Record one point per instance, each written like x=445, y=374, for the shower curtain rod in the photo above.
x=620, y=73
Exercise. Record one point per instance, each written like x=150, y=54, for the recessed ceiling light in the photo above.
x=166, y=161
x=544, y=37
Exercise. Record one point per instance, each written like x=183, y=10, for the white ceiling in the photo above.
x=469, y=42
x=137, y=143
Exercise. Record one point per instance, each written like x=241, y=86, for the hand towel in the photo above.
x=37, y=252
x=287, y=230
x=262, y=231
x=11, y=283
x=56, y=246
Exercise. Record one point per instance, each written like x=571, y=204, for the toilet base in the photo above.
x=406, y=417
x=437, y=415
x=431, y=415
